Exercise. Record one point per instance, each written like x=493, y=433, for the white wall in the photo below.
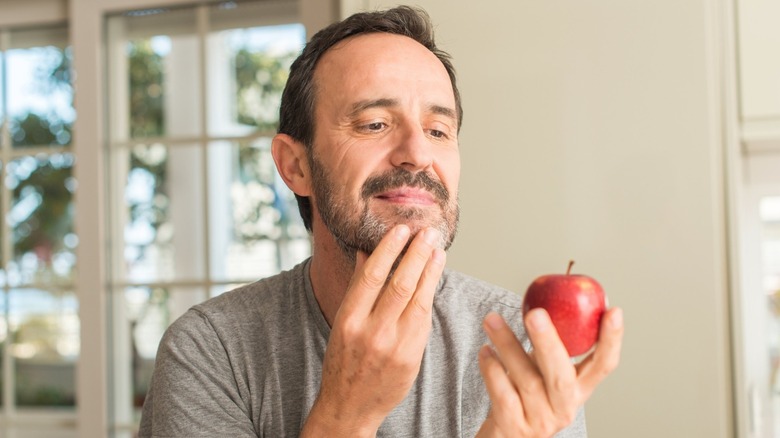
x=591, y=132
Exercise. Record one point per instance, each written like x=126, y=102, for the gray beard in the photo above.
x=364, y=232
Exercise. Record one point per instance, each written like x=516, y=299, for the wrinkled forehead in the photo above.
x=363, y=65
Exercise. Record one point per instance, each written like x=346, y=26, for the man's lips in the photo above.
x=407, y=195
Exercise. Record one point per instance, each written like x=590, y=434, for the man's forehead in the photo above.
x=371, y=39
x=368, y=48
x=360, y=66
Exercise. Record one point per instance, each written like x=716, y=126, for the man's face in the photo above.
x=385, y=146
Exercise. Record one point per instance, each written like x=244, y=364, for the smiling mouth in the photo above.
x=408, y=196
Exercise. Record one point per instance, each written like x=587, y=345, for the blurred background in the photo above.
x=641, y=139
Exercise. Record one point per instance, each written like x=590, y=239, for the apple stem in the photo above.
x=571, y=263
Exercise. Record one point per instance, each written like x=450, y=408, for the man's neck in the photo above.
x=331, y=271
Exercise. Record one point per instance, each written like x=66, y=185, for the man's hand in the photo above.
x=378, y=337
x=539, y=394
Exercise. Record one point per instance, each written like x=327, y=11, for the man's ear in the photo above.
x=292, y=163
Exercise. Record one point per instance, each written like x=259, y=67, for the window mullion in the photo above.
x=203, y=31
x=9, y=386
x=86, y=30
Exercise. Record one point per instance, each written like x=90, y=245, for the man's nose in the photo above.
x=413, y=150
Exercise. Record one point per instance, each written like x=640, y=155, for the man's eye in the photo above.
x=376, y=126
x=438, y=134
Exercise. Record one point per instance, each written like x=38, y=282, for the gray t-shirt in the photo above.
x=249, y=363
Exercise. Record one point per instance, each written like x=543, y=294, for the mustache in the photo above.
x=403, y=178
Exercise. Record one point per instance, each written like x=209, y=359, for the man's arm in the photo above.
x=538, y=394
x=193, y=391
x=378, y=337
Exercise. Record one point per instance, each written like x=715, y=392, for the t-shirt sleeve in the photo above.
x=193, y=391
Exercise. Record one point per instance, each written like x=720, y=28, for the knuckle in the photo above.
x=371, y=279
x=606, y=365
x=400, y=289
x=409, y=367
x=531, y=385
x=548, y=431
x=561, y=384
x=545, y=426
x=567, y=418
x=350, y=328
x=376, y=347
x=604, y=372
x=611, y=363
x=507, y=400
x=420, y=309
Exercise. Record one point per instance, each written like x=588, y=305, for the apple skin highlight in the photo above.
x=575, y=303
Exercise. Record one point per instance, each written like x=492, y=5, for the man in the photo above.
x=371, y=335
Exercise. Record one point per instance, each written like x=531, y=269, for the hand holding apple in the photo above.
x=575, y=303
x=539, y=394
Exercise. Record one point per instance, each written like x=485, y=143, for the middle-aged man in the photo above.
x=371, y=335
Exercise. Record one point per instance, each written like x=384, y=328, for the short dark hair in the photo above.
x=296, y=114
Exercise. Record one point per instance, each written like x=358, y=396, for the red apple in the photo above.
x=575, y=304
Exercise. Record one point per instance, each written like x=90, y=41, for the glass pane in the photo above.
x=247, y=72
x=40, y=95
x=162, y=218
x=145, y=59
x=157, y=57
x=770, y=217
x=45, y=328
x=154, y=74
x=41, y=219
x=255, y=228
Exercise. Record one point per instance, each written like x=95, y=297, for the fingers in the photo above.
x=523, y=373
x=554, y=364
x=606, y=356
x=419, y=270
x=412, y=285
x=371, y=272
x=421, y=304
x=542, y=392
x=506, y=408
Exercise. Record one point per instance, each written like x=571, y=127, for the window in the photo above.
x=39, y=324
x=197, y=207
x=758, y=345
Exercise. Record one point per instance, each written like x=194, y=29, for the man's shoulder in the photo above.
x=461, y=287
x=263, y=296
x=470, y=299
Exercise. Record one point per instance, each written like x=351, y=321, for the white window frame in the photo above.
x=87, y=36
x=197, y=269
x=37, y=17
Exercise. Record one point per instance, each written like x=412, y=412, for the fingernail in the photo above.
x=494, y=321
x=431, y=236
x=617, y=319
x=401, y=232
x=538, y=321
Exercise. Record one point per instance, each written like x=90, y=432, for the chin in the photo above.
x=417, y=219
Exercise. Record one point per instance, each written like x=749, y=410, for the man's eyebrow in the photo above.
x=444, y=111
x=386, y=102
x=363, y=105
